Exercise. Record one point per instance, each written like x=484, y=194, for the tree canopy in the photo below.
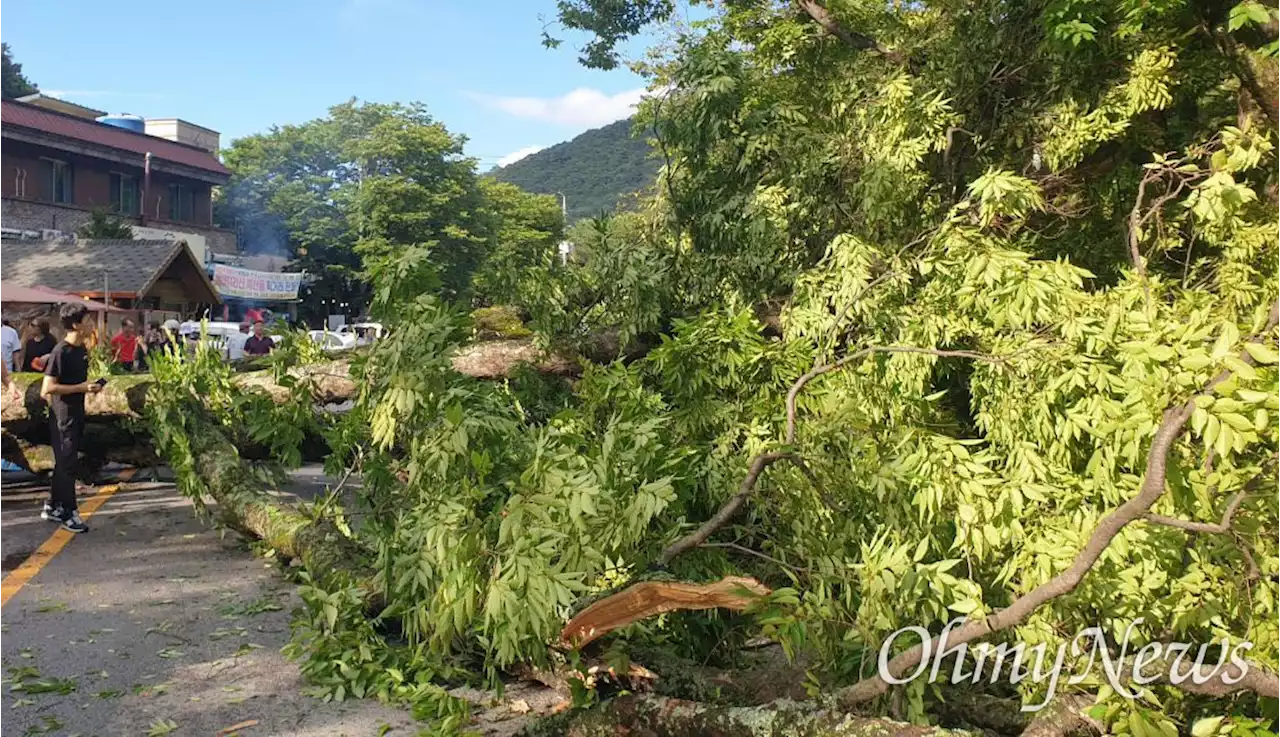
x=13, y=83
x=342, y=193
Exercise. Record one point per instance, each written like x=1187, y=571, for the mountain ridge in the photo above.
x=595, y=170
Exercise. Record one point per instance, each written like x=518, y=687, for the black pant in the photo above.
x=67, y=430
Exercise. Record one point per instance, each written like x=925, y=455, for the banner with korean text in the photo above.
x=245, y=284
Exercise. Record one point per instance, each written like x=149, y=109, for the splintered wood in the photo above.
x=650, y=598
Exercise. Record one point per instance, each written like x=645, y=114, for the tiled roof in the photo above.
x=90, y=131
x=129, y=266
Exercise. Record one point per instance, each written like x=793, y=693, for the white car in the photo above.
x=332, y=341
x=363, y=333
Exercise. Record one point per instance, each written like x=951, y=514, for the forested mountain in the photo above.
x=595, y=171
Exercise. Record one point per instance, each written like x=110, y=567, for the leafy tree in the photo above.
x=524, y=231
x=103, y=224
x=13, y=83
x=362, y=183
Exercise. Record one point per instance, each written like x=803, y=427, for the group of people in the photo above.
x=130, y=350
x=65, y=365
x=28, y=354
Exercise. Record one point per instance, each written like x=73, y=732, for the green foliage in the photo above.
x=499, y=322
x=343, y=655
x=103, y=224
x=1065, y=212
x=13, y=83
x=343, y=195
x=598, y=171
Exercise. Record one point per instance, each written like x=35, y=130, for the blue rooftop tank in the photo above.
x=124, y=120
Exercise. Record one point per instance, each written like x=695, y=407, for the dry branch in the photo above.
x=652, y=598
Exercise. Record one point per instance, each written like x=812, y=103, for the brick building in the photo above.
x=57, y=164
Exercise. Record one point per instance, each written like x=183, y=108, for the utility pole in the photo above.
x=565, y=246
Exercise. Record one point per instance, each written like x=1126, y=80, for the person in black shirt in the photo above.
x=258, y=344
x=38, y=345
x=66, y=376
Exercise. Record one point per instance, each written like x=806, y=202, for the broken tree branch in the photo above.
x=726, y=512
x=1153, y=486
x=650, y=598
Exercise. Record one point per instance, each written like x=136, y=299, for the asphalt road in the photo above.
x=154, y=617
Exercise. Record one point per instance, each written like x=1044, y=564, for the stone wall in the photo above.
x=27, y=215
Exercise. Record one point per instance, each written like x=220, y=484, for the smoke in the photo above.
x=259, y=231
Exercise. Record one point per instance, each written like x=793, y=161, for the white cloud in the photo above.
x=583, y=107
x=515, y=156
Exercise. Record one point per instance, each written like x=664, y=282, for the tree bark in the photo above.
x=660, y=716
x=333, y=559
x=126, y=396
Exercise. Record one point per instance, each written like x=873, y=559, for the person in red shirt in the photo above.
x=125, y=346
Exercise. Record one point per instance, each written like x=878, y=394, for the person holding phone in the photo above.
x=66, y=381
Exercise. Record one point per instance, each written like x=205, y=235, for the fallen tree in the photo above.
x=660, y=716
x=329, y=382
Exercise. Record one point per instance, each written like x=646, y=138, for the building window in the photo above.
x=57, y=181
x=124, y=194
x=182, y=203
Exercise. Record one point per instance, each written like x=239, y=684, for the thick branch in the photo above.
x=1267, y=100
x=660, y=716
x=1153, y=484
x=726, y=512
x=859, y=41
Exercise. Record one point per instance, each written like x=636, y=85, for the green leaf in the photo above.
x=1206, y=727
x=1240, y=368
x=1264, y=354
x=1194, y=361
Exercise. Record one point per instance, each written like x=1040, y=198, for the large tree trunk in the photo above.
x=333, y=559
x=126, y=396
x=659, y=716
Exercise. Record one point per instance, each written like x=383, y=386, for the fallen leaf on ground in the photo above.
x=235, y=727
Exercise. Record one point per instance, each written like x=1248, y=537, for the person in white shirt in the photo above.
x=235, y=343
x=10, y=343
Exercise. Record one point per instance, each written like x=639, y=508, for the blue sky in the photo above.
x=241, y=66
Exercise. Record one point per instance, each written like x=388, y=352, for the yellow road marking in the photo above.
x=14, y=582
